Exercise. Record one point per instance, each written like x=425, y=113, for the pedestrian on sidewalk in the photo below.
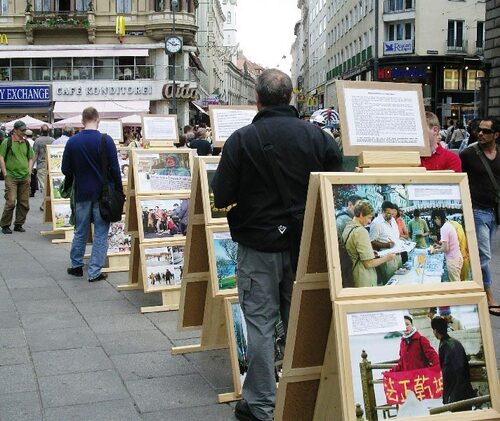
x=81, y=161
x=40, y=148
x=16, y=162
x=266, y=221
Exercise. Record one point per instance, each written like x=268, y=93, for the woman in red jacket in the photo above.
x=415, y=350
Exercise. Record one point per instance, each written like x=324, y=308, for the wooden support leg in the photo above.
x=170, y=302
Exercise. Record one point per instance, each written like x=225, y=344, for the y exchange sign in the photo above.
x=25, y=96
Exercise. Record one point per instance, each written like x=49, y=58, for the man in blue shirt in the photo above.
x=81, y=161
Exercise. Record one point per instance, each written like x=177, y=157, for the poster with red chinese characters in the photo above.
x=425, y=383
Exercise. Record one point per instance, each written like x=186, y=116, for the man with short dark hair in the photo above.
x=454, y=365
x=200, y=143
x=16, y=162
x=40, y=149
x=418, y=230
x=483, y=196
x=82, y=161
x=344, y=215
x=264, y=226
x=441, y=158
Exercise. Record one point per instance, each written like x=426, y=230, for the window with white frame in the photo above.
x=451, y=79
x=455, y=33
x=399, y=31
x=123, y=6
x=473, y=79
x=4, y=7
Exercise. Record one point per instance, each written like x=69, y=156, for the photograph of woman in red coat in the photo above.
x=415, y=350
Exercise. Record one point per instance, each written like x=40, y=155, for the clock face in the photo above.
x=173, y=44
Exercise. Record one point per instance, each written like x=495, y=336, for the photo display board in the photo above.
x=378, y=116
x=226, y=119
x=162, y=171
x=160, y=130
x=124, y=163
x=60, y=208
x=113, y=128
x=223, y=258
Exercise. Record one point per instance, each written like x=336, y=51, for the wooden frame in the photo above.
x=124, y=163
x=328, y=183
x=61, y=206
x=342, y=309
x=226, y=119
x=180, y=174
x=121, y=225
x=144, y=264
x=160, y=129
x=155, y=201
x=113, y=128
x=208, y=166
x=54, y=158
x=55, y=181
x=215, y=248
x=380, y=122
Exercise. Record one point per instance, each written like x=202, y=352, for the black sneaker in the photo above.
x=19, y=228
x=101, y=277
x=242, y=412
x=78, y=271
x=6, y=230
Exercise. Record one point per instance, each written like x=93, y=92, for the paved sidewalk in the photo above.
x=71, y=350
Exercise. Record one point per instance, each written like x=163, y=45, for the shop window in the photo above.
x=40, y=69
x=103, y=68
x=473, y=79
x=451, y=79
x=123, y=6
x=21, y=68
x=82, y=68
x=455, y=34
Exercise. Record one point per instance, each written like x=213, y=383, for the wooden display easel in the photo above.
x=199, y=308
x=313, y=386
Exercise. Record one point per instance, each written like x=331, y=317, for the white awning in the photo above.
x=119, y=52
x=199, y=108
x=106, y=109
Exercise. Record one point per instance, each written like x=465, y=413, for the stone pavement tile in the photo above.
x=106, y=293
x=120, y=410
x=77, y=285
x=9, y=319
x=169, y=328
x=78, y=388
x=51, y=363
x=26, y=281
x=105, y=308
x=6, y=304
x=148, y=365
x=134, y=342
x=215, y=367
x=32, y=294
x=11, y=356
x=140, y=299
x=17, y=378
x=12, y=337
x=49, y=340
x=23, y=406
x=49, y=321
x=215, y=412
x=119, y=323
x=162, y=316
x=57, y=305
x=171, y=392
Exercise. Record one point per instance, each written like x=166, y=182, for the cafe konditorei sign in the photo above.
x=107, y=90
x=25, y=96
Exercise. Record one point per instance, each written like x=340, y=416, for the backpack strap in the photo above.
x=345, y=244
x=9, y=148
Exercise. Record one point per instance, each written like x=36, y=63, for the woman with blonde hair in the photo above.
x=357, y=243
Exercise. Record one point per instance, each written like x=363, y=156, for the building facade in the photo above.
x=438, y=44
x=492, y=55
x=90, y=64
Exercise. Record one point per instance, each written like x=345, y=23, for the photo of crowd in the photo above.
x=163, y=218
x=424, y=357
x=164, y=266
x=56, y=181
x=62, y=215
x=395, y=234
x=118, y=239
x=123, y=163
x=165, y=171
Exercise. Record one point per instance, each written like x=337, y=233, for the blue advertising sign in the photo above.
x=25, y=96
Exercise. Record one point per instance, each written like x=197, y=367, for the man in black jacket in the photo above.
x=263, y=226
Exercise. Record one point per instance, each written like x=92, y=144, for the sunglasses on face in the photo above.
x=485, y=131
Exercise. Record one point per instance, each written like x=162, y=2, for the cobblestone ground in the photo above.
x=70, y=350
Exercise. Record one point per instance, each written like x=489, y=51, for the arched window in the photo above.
x=228, y=20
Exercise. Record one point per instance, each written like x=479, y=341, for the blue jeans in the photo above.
x=484, y=220
x=85, y=213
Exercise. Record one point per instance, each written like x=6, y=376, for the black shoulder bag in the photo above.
x=294, y=229
x=480, y=153
x=112, y=199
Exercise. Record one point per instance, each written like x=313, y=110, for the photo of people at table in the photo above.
x=164, y=171
x=164, y=218
x=395, y=234
x=418, y=360
x=164, y=266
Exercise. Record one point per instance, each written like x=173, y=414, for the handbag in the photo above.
x=493, y=181
x=112, y=199
x=294, y=229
